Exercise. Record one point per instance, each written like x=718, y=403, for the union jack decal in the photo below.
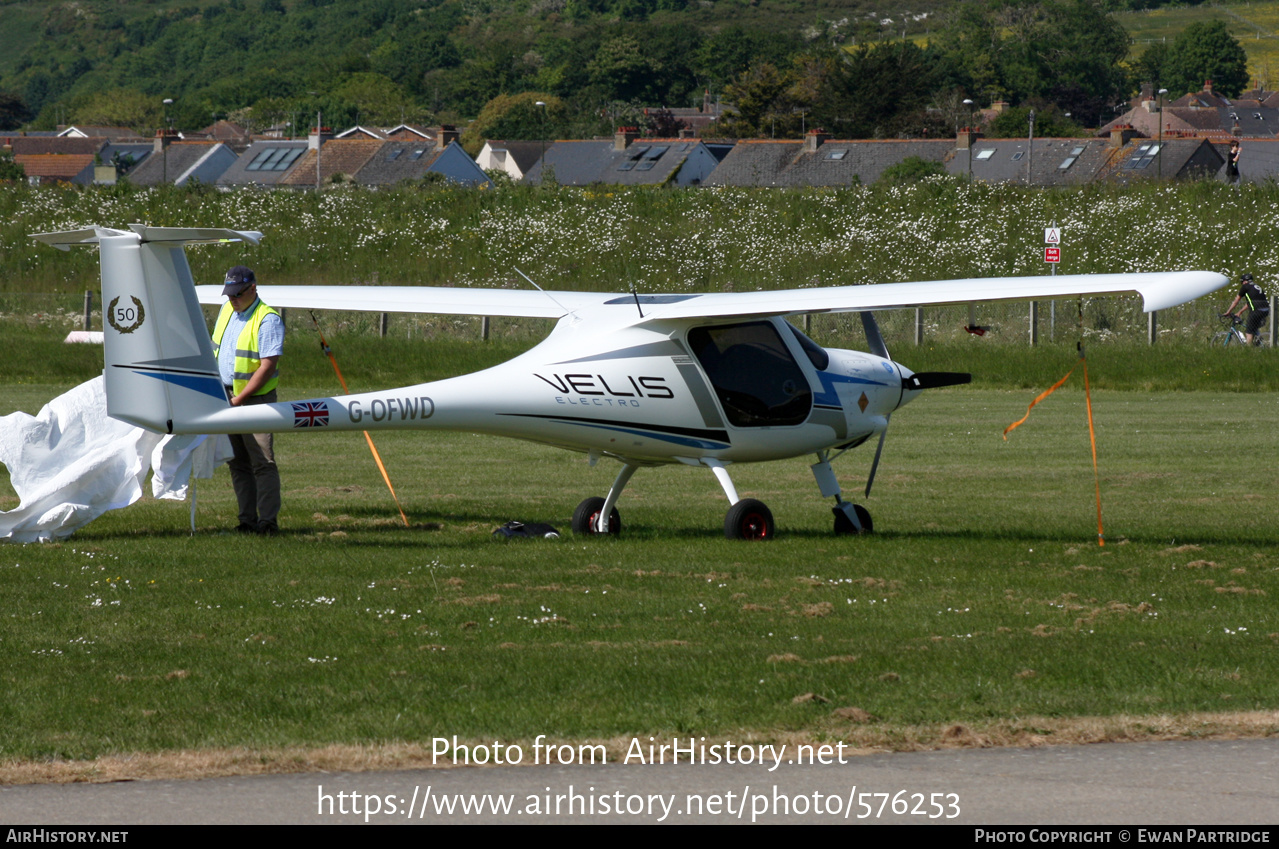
x=310, y=414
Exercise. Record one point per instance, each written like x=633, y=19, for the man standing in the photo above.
x=254, y=340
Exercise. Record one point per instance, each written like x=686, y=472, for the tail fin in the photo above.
x=159, y=358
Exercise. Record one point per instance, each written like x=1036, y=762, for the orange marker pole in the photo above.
x=324, y=346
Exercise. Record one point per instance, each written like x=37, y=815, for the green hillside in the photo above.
x=1256, y=25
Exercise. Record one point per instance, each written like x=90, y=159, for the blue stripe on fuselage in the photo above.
x=665, y=437
x=207, y=385
x=828, y=396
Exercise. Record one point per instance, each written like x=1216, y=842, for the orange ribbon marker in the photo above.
x=324, y=346
x=1092, y=434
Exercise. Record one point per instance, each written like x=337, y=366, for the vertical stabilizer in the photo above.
x=160, y=367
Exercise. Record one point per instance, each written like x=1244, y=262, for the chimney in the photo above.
x=967, y=135
x=688, y=133
x=1121, y=134
x=446, y=135
x=1208, y=86
x=318, y=136
x=624, y=137
x=814, y=139
x=163, y=137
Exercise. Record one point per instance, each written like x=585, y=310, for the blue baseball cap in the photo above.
x=238, y=279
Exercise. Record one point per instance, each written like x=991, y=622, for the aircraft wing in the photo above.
x=1159, y=290
x=435, y=300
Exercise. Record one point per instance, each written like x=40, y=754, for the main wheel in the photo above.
x=588, y=511
x=749, y=519
x=843, y=525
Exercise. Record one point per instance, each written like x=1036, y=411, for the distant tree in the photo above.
x=10, y=170
x=122, y=108
x=662, y=124
x=1207, y=51
x=1049, y=123
x=912, y=169
x=763, y=104
x=515, y=117
x=13, y=111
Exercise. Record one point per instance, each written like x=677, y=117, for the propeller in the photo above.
x=877, y=347
x=935, y=379
x=918, y=380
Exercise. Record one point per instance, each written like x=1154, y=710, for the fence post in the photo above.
x=808, y=323
x=88, y=309
x=382, y=326
x=1274, y=305
x=484, y=328
x=1034, y=323
x=919, y=325
x=1152, y=326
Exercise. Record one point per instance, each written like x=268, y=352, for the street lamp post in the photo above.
x=1159, y=154
x=1030, y=154
x=164, y=141
x=969, y=103
x=542, y=105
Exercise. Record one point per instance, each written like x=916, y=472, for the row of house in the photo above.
x=360, y=156
x=1184, y=139
x=819, y=160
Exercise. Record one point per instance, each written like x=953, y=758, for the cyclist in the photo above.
x=1253, y=299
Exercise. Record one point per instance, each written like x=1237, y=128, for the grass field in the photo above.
x=981, y=612
x=1255, y=25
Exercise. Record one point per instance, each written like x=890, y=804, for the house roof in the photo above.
x=1174, y=158
x=265, y=163
x=644, y=162
x=525, y=153
x=358, y=132
x=176, y=162
x=1055, y=162
x=54, y=166
x=408, y=132
x=832, y=163
x=98, y=132
x=337, y=156
x=396, y=161
x=1259, y=159
x=233, y=135
x=29, y=145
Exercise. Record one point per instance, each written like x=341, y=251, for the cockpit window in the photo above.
x=756, y=379
x=816, y=353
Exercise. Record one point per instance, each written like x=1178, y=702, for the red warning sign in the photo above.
x=1052, y=254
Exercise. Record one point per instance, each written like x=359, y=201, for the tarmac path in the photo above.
x=1196, y=783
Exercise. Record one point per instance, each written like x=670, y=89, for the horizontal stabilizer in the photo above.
x=64, y=240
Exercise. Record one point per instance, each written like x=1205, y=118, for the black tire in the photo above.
x=584, y=518
x=749, y=519
x=844, y=526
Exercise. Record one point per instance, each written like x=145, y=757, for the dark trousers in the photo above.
x=253, y=473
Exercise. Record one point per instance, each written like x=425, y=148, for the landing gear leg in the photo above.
x=850, y=518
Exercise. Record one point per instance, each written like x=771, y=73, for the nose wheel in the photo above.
x=844, y=523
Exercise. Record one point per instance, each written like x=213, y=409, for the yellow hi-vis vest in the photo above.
x=247, y=358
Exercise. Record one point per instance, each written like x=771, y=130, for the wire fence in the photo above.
x=1115, y=319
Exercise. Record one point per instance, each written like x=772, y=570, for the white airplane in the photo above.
x=707, y=380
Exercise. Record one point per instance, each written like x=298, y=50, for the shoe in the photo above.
x=245, y=528
x=268, y=529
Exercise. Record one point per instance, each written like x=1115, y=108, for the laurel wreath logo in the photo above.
x=126, y=313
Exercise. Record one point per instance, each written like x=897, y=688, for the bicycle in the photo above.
x=1233, y=334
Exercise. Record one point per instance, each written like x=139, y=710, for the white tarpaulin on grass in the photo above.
x=73, y=462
